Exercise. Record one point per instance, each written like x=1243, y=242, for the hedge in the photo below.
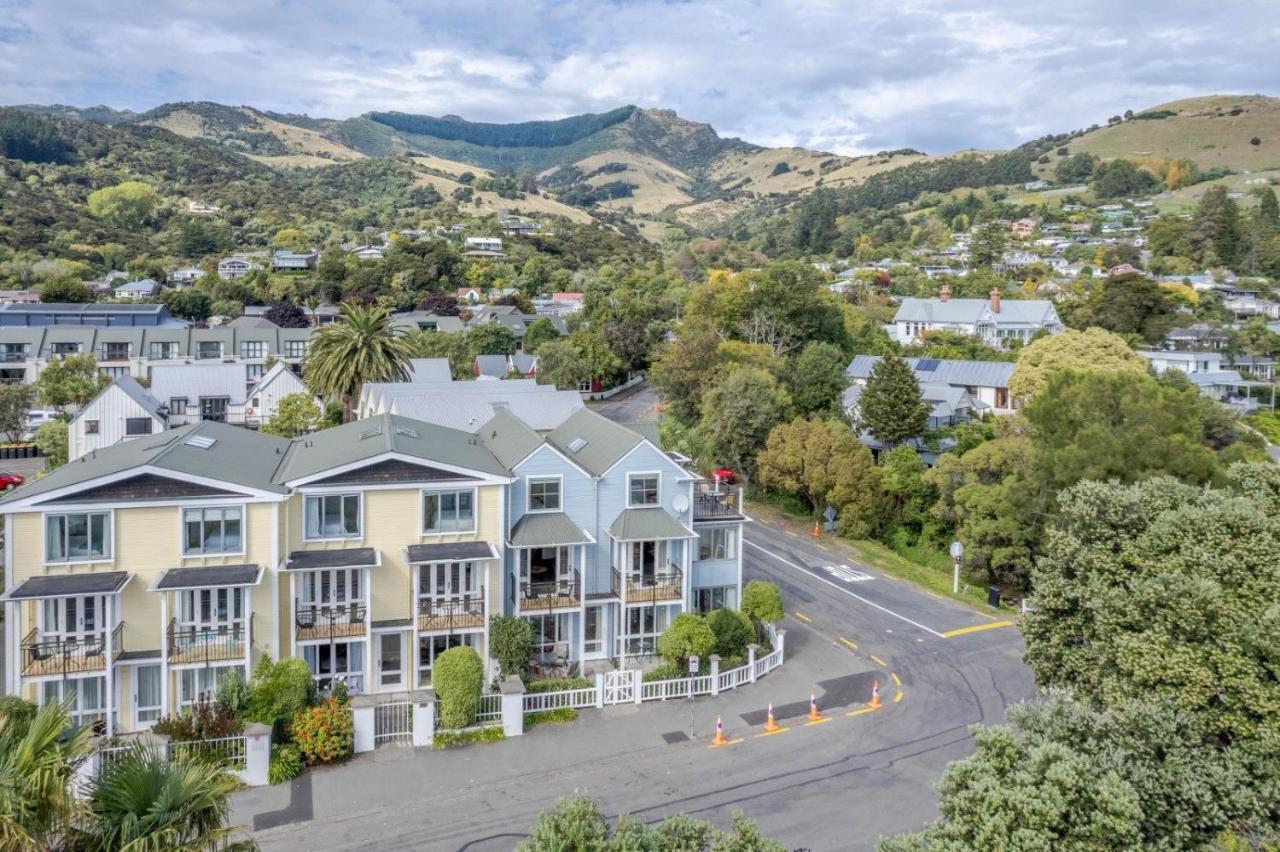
x=458, y=679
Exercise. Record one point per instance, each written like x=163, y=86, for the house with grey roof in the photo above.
x=985, y=383
x=995, y=321
x=122, y=411
x=515, y=320
x=143, y=289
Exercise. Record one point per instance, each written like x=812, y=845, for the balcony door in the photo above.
x=449, y=581
x=79, y=619
x=146, y=697
x=211, y=610
x=332, y=587
x=546, y=565
x=648, y=560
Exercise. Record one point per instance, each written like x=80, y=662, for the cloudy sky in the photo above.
x=842, y=75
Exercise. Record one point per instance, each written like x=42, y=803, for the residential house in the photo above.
x=86, y=314
x=1023, y=228
x=1197, y=336
x=28, y=297
x=1246, y=306
x=491, y=245
x=138, y=291
x=491, y=366
x=470, y=295
x=183, y=278
x=367, y=252
x=293, y=261
x=236, y=266
x=423, y=321
x=121, y=411
x=985, y=382
x=995, y=321
x=1123, y=269
x=513, y=319
x=201, y=208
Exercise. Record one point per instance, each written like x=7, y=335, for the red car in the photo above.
x=724, y=475
x=10, y=481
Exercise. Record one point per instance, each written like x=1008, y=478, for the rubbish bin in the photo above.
x=993, y=596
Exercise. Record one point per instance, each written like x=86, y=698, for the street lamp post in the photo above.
x=957, y=551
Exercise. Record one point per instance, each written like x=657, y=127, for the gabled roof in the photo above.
x=492, y=365
x=1033, y=312
x=994, y=374
x=547, y=529
x=129, y=386
x=647, y=523
x=192, y=381
x=592, y=441
x=509, y=438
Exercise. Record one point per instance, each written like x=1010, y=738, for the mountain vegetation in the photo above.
x=527, y=134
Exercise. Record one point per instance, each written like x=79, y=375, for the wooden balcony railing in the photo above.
x=194, y=643
x=58, y=655
x=329, y=621
x=452, y=613
x=660, y=586
x=552, y=594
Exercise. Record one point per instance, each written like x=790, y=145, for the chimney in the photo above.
x=995, y=301
x=945, y=294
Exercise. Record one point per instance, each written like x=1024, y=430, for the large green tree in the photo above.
x=815, y=377
x=129, y=204
x=1130, y=303
x=823, y=463
x=1092, y=350
x=738, y=413
x=561, y=364
x=362, y=346
x=890, y=406
x=69, y=381
x=684, y=370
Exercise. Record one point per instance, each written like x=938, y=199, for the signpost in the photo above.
x=957, y=552
x=694, y=663
x=830, y=517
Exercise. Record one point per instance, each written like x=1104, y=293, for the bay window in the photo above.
x=78, y=536
x=332, y=516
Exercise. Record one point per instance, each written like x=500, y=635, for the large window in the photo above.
x=115, y=351
x=643, y=489
x=448, y=511
x=134, y=426
x=721, y=543
x=202, y=683
x=552, y=634
x=80, y=536
x=163, y=350
x=336, y=660
x=86, y=695
x=295, y=348
x=209, y=349
x=544, y=495
x=644, y=625
x=178, y=405
x=211, y=609
x=253, y=349
x=715, y=597
x=333, y=516
x=430, y=647
x=212, y=530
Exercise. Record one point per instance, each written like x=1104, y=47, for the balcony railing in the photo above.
x=664, y=585
x=329, y=621
x=196, y=643
x=552, y=594
x=57, y=655
x=449, y=614
x=13, y=357
x=712, y=500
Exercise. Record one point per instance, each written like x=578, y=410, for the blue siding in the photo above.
x=577, y=499
x=614, y=495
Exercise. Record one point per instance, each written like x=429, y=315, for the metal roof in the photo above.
x=509, y=438
x=430, y=370
x=66, y=585
x=192, y=381
x=492, y=365
x=449, y=552
x=541, y=411
x=547, y=529
x=647, y=523
x=989, y=374
x=1033, y=312
x=209, y=576
x=347, y=557
x=592, y=441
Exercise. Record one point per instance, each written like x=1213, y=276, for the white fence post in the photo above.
x=362, y=713
x=512, y=706
x=637, y=685
x=424, y=717
x=257, y=755
x=87, y=772
x=780, y=635
x=751, y=660
x=599, y=690
x=715, y=674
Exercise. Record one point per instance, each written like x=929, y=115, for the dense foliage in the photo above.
x=527, y=134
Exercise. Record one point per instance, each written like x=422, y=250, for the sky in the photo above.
x=853, y=76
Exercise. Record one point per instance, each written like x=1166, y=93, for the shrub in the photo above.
x=733, y=632
x=511, y=643
x=278, y=692
x=762, y=602
x=688, y=636
x=203, y=721
x=325, y=733
x=447, y=739
x=551, y=717
x=18, y=712
x=286, y=764
x=664, y=671
x=232, y=693
x=458, y=678
x=554, y=684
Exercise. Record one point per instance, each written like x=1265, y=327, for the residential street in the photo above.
x=835, y=785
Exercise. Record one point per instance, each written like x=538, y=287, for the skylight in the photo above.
x=203, y=442
x=370, y=433
x=577, y=444
x=406, y=432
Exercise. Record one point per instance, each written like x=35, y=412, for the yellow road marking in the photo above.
x=897, y=697
x=897, y=681
x=860, y=712
x=818, y=721
x=772, y=733
x=878, y=661
x=806, y=619
x=731, y=742
x=977, y=628
x=850, y=644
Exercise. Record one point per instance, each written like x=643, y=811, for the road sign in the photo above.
x=829, y=526
x=829, y=514
x=957, y=550
x=845, y=574
x=693, y=666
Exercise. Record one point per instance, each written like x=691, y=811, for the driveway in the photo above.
x=634, y=405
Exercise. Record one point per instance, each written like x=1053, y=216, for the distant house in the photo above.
x=200, y=208
x=517, y=225
x=1244, y=306
x=231, y=268
x=995, y=321
x=1023, y=228
x=470, y=295
x=1035, y=185
x=185, y=277
x=293, y=261
x=985, y=382
x=479, y=247
x=138, y=291
x=263, y=399
x=1016, y=259
x=514, y=319
x=524, y=364
x=121, y=411
x=1123, y=269
x=1198, y=336
x=25, y=297
x=422, y=321
x=367, y=253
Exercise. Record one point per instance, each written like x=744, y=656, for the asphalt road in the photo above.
x=837, y=785
x=634, y=405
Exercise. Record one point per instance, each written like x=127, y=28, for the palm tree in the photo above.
x=39, y=755
x=145, y=803
x=361, y=346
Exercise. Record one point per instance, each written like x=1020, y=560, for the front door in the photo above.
x=146, y=696
x=390, y=660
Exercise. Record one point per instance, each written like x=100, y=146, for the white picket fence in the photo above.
x=226, y=752
x=537, y=702
x=490, y=708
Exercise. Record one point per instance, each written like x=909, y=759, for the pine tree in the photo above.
x=890, y=406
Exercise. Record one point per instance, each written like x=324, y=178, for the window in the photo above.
x=13, y=351
x=199, y=685
x=178, y=405
x=137, y=426
x=209, y=349
x=295, y=348
x=717, y=597
x=448, y=511
x=584, y=387
x=114, y=372
x=1002, y=397
x=91, y=427
x=115, y=351
x=448, y=580
x=551, y=633
x=65, y=348
x=212, y=530
x=253, y=372
x=544, y=495
x=644, y=625
x=211, y=609
x=330, y=586
x=644, y=489
x=79, y=536
x=163, y=350
x=86, y=695
x=593, y=630
x=721, y=543
x=333, y=516
x=336, y=660
x=253, y=349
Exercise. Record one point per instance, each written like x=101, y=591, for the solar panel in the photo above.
x=927, y=365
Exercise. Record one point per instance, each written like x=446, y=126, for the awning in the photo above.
x=646, y=524
x=209, y=576
x=68, y=585
x=460, y=551
x=547, y=529
x=348, y=557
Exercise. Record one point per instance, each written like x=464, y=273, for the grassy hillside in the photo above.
x=250, y=132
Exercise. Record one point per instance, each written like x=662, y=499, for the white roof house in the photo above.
x=996, y=320
x=493, y=244
x=142, y=289
x=200, y=391
x=121, y=411
x=263, y=399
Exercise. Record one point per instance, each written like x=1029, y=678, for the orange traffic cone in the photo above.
x=875, y=695
x=817, y=532
x=720, y=738
x=814, y=715
x=771, y=726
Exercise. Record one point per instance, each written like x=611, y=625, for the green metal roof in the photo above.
x=509, y=438
x=592, y=441
x=545, y=529
x=647, y=523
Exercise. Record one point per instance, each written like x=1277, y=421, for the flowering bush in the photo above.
x=325, y=733
x=202, y=721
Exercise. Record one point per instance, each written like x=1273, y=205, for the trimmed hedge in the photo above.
x=733, y=630
x=448, y=739
x=551, y=717
x=458, y=678
x=558, y=684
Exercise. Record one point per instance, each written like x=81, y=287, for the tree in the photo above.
x=458, y=679
x=1255, y=340
x=689, y=635
x=1122, y=178
x=511, y=643
x=296, y=414
x=64, y=289
x=228, y=308
x=443, y=305
x=1094, y=349
x=444, y=344
x=279, y=689
x=1077, y=168
x=1130, y=303
x=988, y=245
x=601, y=361
x=39, y=755
x=538, y=332
x=15, y=402
x=684, y=370
x=560, y=364
x=362, y=346
x=823, y=463
x=291, y=239
x=69, y=381
x=738, y=413
x=733, y=632
x=193, y=305
x=287, y=315
x=491, y=338
x=890, y=406
x=762, y=602
x=51, y=438
x=1217, y=233
x=1169, y=236
x=128, y=205
x=816, y=379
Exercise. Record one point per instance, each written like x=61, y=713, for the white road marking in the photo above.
x=843, y=589
x=847, y=574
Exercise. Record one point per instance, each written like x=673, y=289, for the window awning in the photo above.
x=69, y=585
x=547, y=529
x=347, y=557
x=459, y=551
x=208, y=576
x=648, y=523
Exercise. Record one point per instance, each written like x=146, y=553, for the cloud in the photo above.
x=849, y=77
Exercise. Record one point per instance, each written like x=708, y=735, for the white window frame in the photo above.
x=147, y=420
x=341, y=495
x=544, y=480
x=182, y=530
x=730, y=543
x=422, y=510
x=657, y=491
x=80, y=715
x=253, y=349
x=108, y=544
x=214, y=674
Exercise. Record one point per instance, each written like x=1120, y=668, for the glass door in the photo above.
x=146, y=696
x=593, y=630
x=211, y=610
x=390, y=660
x=77, y=619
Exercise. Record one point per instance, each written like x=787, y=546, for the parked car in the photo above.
x=724, y=475
x=10, y=480
x=36, y=418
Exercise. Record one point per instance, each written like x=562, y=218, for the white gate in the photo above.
x=619, y=687
x=392, y=722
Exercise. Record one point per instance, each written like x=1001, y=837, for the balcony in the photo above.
x=324, y=683
x=56, y=655
x=713, y=501
x=658, y=587
x=203, y=644
x=329, y=621
x=445, y=615
x=552, y=594
x=12, y=357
